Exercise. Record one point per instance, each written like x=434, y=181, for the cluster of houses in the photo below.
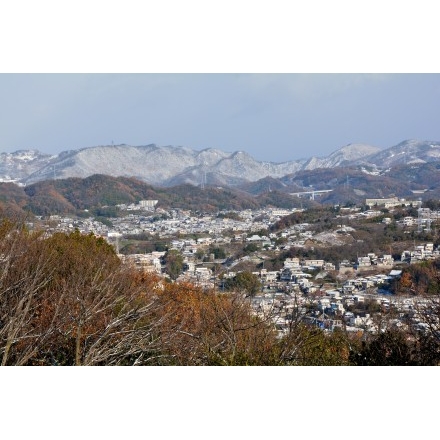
x=333, y=311
x=142, y=205
x=297, y=291
x=299, y=287
x=420, y=253
x=169, y=224
x=391, y=202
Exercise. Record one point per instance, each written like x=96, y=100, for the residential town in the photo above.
x=328, y=294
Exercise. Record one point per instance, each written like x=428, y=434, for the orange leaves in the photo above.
x=406, y=280
x=68, y=299
x=207, y=328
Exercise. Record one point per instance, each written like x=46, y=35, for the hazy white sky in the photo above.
x=276, y=117
x=273, y=116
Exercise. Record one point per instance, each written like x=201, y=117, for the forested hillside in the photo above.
x=74, y=195
x=344, y=185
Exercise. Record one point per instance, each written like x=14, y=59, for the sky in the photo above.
x=278, y=88
x=273, y=117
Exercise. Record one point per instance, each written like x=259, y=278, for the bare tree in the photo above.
x=68, y=300
x=24, y=272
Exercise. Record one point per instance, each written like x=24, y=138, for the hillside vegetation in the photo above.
x=74, y=195
x=346, y=185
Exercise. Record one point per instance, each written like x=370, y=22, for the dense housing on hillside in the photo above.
x=328, y=294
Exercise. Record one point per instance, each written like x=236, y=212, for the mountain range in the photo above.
x=168, y=166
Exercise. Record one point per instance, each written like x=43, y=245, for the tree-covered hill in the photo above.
x=74, y=195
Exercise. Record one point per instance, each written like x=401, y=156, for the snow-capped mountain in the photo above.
x=407, y=152
x=16, y=166
x=165, y=166
x=169, y=165
x=351, y=154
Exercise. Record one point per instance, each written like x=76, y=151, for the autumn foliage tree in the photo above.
x=200, y=327
x=25, y=271
x=68, y=300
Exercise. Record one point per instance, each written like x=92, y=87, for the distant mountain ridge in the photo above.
x=168, y=165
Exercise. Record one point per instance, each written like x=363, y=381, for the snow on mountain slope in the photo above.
x=169, y=165
x=20, y=164
x=160, y=165
x=406, y=152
